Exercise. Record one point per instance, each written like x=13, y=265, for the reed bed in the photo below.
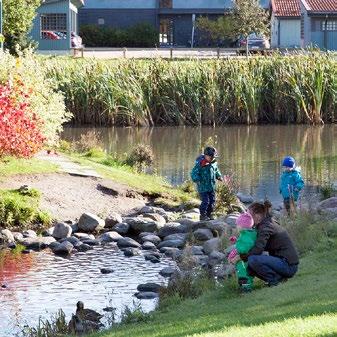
x=276, y=89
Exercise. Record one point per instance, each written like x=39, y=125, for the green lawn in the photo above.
x=304, y=306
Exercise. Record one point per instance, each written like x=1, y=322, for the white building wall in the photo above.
x=289, y=33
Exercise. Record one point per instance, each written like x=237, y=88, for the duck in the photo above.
x=80, y=327
x=87, y=314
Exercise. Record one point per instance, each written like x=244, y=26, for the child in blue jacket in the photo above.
x=291, y=183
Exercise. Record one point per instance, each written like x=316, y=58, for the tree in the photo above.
x=249, y=17
x=18, y=16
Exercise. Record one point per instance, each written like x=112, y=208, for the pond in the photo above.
x=39, y=284
x=252, y=153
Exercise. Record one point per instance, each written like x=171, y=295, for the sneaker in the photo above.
x=204, y=218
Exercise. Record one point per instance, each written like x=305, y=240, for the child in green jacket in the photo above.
x=243, y=245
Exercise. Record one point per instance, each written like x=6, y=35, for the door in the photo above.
x=290, y=33
x=166, y=32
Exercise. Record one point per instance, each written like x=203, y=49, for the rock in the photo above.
x=17, y=236
x=3, y=286
x=130, y=251
x=155, y=260
x=245, y=198
x=74, y=227
x=201, y=260
x=48, y=232
x=84, y=236
x=152, y=209
x=61, y=230
x=64, y=248
x=211, y=245
x=84, y=247
x=122, y=228
x=113, y=219
x=187, y=222
x=73, y=240
x=167, y=272
x=171, y=252
x=215, y=258
x=329, y=213
x=89, y=222
x=178, y=236
x=151, y=238
x=37, y=243
x=106, y=271
x=203, y=234
x=172, y=243
x=197, y=250
x=141, y=224
x=159, y=219
x=110, y=237
x=172, y=228
x=92, y=242
x=7, y=236
x=109, y=309
x=327, y=203
x=29, y=234
x=153, y=287
x=191, y=216
x=148, y=245
x=144, y=234
x=152, y=255
x=146, y=295
x=225, y=271
x=231, y=219
x=128, y=242
x=11, y=245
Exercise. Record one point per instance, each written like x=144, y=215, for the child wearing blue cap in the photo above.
x=291, y=183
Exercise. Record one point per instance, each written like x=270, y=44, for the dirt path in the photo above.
x=66, y=196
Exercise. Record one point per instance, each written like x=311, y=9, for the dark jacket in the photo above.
x=274, y=239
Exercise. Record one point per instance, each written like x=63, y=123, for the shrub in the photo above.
x=226, y=195
x=140, y=35
x=188, y=186
x=140, y=157
x=20, y=128
x=88, y=141
x=327, y=191
x=134, y=314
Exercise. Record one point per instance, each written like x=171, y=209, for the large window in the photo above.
x=329, y=25
x=53, y=26
x=165, y=3
x=166, y=32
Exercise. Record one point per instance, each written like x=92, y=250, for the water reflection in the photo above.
x=41, y=283
x=253, y=153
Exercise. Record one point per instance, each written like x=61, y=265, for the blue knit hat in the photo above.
x=289, y=162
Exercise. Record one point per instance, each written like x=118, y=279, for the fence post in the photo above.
x=124, y=52
x=82, y=52
x=218, y=53
x=171, y=53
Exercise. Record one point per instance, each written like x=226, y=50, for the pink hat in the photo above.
x=245, y=221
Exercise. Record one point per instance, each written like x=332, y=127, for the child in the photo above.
x=243, y=245
x=291, y=183
x=204, y=174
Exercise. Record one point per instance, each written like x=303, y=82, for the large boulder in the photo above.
x=17, y=236
x=197, y=250
x=148, y=246
x=141, y=224
x=151, y=238
x=6, y=236
x=211, y=245
x=327, y=203
x=203, y=234
x=84, y=236
x=159, y=219
x=64, y=248
x=245, y=198
x=89, y=222
x=177, y=236
x=167, y=271
x=146, y=295
x=128, y=242
x=61, y=231
x=29, y=234
x=153, y=209
x=154, y=287
x=113, y=219
x=110, y=237
x=215, y=258
x=171, y=252
x=37, y=243
x=172, y=228
x=121, y=228
x=172, y=243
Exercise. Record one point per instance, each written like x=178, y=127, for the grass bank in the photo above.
x=275, y=89
x=304, y=306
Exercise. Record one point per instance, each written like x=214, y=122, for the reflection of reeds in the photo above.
x=300, y=89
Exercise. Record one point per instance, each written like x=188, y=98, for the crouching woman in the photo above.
x=282, y=261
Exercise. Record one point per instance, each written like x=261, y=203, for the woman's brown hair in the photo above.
x=261, y=208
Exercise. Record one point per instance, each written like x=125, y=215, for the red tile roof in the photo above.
x=287, y=8
x=320, y=5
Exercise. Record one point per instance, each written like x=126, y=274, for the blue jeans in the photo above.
x=271, y=269
x=207, y=203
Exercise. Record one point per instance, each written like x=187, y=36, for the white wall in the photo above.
x=290, y=33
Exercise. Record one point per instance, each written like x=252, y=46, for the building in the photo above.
x=174, y=19
x=319, y=23
x=55, y=24
x=285, y=24
x=304, y=23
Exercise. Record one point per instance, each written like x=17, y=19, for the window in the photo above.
x=165, y=4
x=53, y=26
x=166, y=32
x=329, y=25
x=101, y=21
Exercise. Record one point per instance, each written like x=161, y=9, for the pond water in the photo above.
x=252, y=153
x=39, y=284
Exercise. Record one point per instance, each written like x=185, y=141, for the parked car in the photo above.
x=255, y=42
x=76, y=40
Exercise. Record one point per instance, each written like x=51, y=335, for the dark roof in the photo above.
x=286, y=8
x=326, y=6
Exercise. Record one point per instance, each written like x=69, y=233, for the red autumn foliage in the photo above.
x=20, y=128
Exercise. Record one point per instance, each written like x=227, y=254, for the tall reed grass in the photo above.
x=276, y=89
